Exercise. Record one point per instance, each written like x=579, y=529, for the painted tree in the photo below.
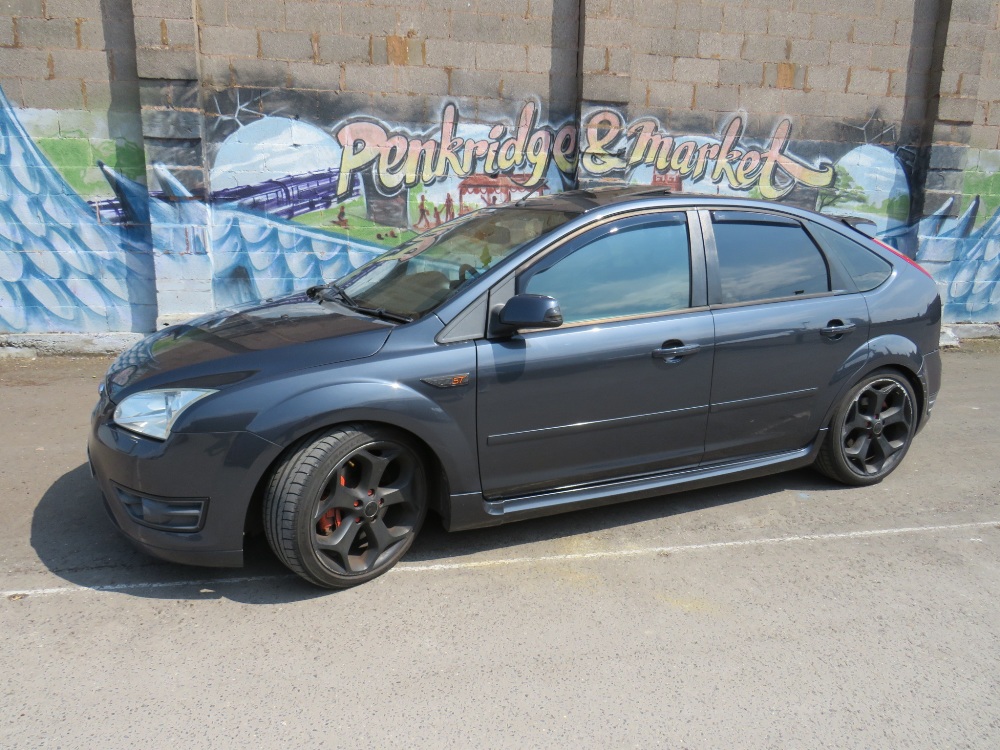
x=843, y=190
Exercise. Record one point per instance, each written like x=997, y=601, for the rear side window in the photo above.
x=865, y=267
x=765, y=257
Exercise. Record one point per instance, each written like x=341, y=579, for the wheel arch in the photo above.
x=890, y=352
x=437, y=477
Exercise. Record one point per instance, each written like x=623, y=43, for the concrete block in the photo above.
x=955, y=109
x=694, y=70
x=255, y=15
x=511, y=57
x=606, y=88
x=364, y=20
x=832, y=28
x=653, y=67
x=286, y=45
x=609, y=32
x=647, y=40
x=413, y=80
x=264, y=73
x=827, y=78
x=784, y=75
x=671, y=94
x=765, y=49
x=985, y=136
x=874, y=31
x=848, y=105
x=172, y=124
x=60, y=93
x=948, y=157
x=717, y=98
x=444, y=53
x=307, y=75
x=229, y=41
x=23, y=8
x=656, y=13
x=595, y=60
x=865, y=81
x=212, y=12
x=475, y=83
x=891, y=57
x=372, y=78
x=699, y=17
x=521, y=86
x=338, y=48
x=743, y=19
x=151, y=32
x=164, y=8
x=741, y=72
x=312, y=16
x=720, y=46
x=789, y=24
x=47, y=33
x=70, y=8
x=810, y=52
x=155, y=63
x=6, y=32
x=215, y=71
x=805, y=103
x=80, y=63
x=761, y=101
x=538, y=8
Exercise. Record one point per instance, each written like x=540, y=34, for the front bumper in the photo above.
x=210, y=477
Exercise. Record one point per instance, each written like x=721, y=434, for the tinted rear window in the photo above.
x=865, y=267
x=763, y=258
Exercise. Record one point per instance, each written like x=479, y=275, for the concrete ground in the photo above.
x=780, y=612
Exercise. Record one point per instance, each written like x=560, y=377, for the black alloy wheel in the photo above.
x=345, y=507
x=871, y=430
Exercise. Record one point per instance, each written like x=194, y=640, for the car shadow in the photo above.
x=74, y=539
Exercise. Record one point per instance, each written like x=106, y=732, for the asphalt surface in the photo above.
x=781, y=612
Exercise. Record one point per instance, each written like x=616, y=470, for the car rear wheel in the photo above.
x=871, y=430
x=345, y=506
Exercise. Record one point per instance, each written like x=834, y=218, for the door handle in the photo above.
x=675, y=353
x=837, y=328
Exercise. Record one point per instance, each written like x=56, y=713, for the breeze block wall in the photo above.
x=163, y=158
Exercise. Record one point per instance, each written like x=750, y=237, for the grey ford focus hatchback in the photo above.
x=559, y=353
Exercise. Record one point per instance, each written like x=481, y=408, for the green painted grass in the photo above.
x=359, y=226
x=76, y=160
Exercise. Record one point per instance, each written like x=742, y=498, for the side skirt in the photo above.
x=472, y=510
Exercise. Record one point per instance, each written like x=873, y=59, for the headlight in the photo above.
x=153, y=413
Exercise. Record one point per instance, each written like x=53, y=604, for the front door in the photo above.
x=622, y=388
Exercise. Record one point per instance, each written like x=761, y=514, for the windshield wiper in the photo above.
x=317, y=293
x=381, y=312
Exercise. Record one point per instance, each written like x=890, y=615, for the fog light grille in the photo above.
x=173, y=514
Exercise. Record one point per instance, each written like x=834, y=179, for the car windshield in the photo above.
x=423, y=272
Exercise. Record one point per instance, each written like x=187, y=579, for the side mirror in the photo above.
x=530, y=311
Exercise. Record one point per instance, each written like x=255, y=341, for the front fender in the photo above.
x=448, y=430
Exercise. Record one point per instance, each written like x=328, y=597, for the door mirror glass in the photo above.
x=531, y=311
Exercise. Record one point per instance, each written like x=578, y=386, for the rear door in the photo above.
x=613, y=392
x=786, y=325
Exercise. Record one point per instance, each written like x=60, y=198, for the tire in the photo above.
x=871, y=430
x=344, y=507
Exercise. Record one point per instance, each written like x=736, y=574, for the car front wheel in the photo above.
x=344, y=507
x=871, y=430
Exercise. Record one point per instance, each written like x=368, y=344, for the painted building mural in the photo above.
x=290, y=203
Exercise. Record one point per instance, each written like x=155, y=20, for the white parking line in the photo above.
x=413, y=568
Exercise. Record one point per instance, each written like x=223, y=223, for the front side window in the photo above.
x=628, y=270
x=763, y=257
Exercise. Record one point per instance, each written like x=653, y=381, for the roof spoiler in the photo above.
x=856, y=222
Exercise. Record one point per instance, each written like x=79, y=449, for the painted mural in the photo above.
x=290, y=203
